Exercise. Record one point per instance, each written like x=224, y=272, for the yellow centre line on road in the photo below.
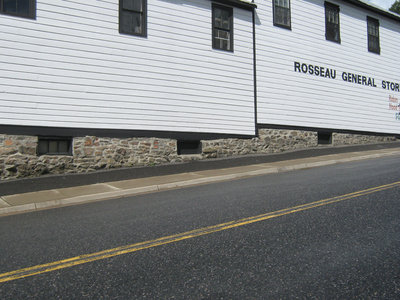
x=82, y=259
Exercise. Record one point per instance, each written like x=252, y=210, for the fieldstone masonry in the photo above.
x=18, y=156
x=93, y=153
x=268, y=141
x=339, y=139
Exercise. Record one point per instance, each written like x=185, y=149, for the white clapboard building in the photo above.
x=76, y=75
x=126, y=65
x=328, y=64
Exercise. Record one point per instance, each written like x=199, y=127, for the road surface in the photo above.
x=328, y=232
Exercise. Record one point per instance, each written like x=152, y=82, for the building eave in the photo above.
x=238, y=3
x=375, y=9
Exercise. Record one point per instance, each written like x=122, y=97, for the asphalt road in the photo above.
x=342, y=250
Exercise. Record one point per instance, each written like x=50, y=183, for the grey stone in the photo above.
x=18, y=153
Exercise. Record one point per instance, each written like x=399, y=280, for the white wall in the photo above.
x=286, y=97
x=71, y=68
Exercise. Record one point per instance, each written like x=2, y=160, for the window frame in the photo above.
x=189, y=147
x=275, y=15
x=373, y=21
x=144, y=19
x=49, y=139
x=329, y=26
x=31, y=14
x=214, y=27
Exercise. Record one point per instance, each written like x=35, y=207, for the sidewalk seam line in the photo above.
x=111, y=187
x=4, y=202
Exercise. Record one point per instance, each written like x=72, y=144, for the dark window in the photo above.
x=20, y=8
x=332, y=24
x=133, y=17
x=324, y=138
x=189, y=147
x=373, y=35
x=282, y=13
x=222, y=31
x=54, y=146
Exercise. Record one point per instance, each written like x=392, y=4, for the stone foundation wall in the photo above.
x=340, y=139
x=268, y=141
x=18, y=153
x=93, y=153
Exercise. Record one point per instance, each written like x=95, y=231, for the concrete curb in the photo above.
x=117, y=193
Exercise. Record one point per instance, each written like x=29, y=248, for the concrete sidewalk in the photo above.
x=31, y=201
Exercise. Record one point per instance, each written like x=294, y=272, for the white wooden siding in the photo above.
x=290, y=98
x=71, y=68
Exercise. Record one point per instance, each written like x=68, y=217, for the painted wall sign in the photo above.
x=394, y=105
x=322, y=71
